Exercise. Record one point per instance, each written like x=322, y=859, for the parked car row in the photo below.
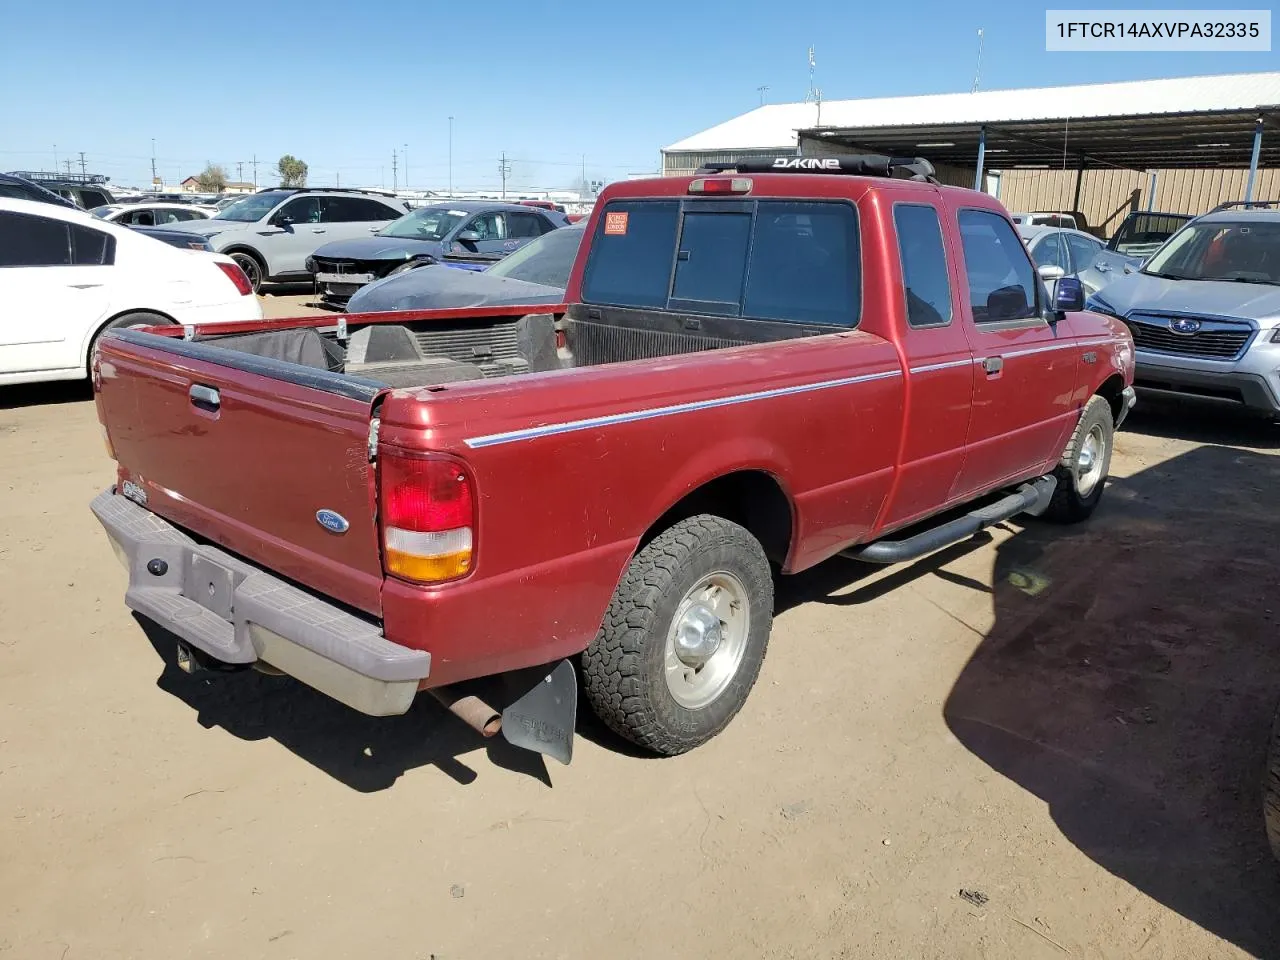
x=477, y=233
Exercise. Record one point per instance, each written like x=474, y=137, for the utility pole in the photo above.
x=584, y=171
x=406, y=166
x=255, y=171
x=338, y=180
x=977, y=70
x=504, y=168
x=68, y=165
x=154, y=178
x=451, y=156
x=240, y=170
x=82, y=168
x=55, y=158
x=762, y=90
x=394, y=184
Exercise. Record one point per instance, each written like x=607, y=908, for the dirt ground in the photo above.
x=1067, y=724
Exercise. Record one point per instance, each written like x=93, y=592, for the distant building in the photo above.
x=192, y=185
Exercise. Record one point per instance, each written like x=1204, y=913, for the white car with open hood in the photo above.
x=66, y=276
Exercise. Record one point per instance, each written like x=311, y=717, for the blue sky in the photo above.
x=342, y=85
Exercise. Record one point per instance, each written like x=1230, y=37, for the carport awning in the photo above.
x=1196, y=140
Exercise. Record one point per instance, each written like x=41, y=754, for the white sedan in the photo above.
x=66, y=276
x=150, y=214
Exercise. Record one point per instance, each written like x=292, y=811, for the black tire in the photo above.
x=252, y=266
x=1271, y=789
x=137, y=318
x=624, y=668
x=1076, y=498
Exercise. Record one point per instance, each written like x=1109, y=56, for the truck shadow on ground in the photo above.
x=367, y=754
x=1131, y=677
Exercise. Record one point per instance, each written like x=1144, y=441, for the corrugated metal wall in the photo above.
x=1106, y=196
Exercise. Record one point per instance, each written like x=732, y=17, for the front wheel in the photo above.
x=684, y=637
x=1082, y=471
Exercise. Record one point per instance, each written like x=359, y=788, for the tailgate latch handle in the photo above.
x=206, y=397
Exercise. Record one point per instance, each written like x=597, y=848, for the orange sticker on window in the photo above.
x=615, y=223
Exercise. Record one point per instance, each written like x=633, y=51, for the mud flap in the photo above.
x=543, y=719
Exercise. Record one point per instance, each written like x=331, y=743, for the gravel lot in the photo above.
x=1066, y=724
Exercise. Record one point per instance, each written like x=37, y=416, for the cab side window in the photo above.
x=925, y=281
x=1002, y=282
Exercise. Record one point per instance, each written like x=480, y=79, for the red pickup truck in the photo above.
x=755, y=368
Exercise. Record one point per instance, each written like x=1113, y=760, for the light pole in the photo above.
x=451, y=156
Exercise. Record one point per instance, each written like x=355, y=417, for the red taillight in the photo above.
x=236, y=276
x=721, y=185
x=428, y=512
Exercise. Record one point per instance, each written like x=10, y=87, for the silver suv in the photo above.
x=1204, y=310
x=271, y=233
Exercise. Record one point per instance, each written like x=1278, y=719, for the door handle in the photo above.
x=206, y=398
x=992, y=365
x=317, y=229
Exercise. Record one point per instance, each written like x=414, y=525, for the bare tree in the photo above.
x=213, y=179
x=292, y=171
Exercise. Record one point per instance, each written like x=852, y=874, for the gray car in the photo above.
x=271, y=233
x=1060, y=252
x=1204, y=311
x=537, y=273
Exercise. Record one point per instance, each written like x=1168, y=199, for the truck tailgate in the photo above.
x=247, y=452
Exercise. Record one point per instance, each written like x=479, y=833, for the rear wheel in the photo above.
x=252, y=267
x=138, y=318
x=684, y=637
x=1082, y=471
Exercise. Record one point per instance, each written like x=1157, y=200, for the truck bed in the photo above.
x=405, y=351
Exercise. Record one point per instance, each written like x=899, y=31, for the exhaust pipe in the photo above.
x=471, y=710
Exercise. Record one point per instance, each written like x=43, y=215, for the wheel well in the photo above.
x=751, y=498
x=88, y=346
x=239, y=248
x=1112, y=390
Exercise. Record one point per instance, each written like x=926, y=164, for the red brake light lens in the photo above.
x=720, y=185
x=236, y=276
x=428, y=517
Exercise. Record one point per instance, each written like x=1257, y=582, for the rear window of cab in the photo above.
x=797, y=261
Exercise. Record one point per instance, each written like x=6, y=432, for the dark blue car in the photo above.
x=455, y=232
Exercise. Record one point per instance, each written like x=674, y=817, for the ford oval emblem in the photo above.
x=1184, y=325
x=331, y=521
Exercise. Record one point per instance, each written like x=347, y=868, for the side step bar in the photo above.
x=1032, y=498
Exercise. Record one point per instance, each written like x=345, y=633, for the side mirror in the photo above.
x=1051, y=271
x=1069, y=295
x=282, y=221
x=468, y=236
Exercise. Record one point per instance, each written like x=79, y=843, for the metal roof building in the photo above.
x=1188, y=123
